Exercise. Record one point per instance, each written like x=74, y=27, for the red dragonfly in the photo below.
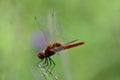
x=52, y=49
x=41, y=42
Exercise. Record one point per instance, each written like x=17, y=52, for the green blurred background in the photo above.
x=97, y=22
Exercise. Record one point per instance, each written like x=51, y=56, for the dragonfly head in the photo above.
x=41, y=55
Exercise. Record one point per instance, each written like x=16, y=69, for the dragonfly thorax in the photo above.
x=48, y=52
x=56, y=45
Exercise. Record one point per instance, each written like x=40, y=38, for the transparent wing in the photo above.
x=46, y=34
x=70, y=42
x=53, y=27
x=40, y=40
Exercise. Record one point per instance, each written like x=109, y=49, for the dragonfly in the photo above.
x=52, y=50
x=47, y=49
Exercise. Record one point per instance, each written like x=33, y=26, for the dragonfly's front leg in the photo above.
x=45, y=64
x=39, y=64
x=42, y=68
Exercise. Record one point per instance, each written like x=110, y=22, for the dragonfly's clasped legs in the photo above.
x=45, y=66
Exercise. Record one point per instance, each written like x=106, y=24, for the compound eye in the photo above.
x=41, y=55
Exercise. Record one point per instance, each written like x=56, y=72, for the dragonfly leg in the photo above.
x=40, y=62
x=53, y=75
x=41, y=67
x=49, y=65
x=49, y=70
x=44, y=75
x=45, y=64
x=52, y=62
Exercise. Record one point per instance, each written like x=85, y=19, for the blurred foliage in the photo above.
x=94, y=21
